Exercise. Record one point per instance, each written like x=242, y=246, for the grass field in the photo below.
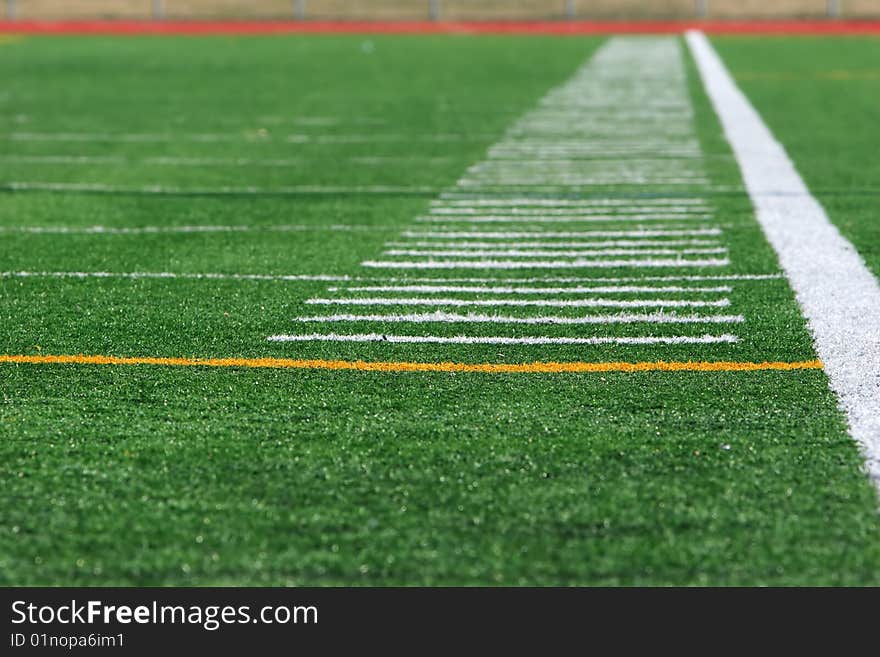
x=830, y=86
x=324, y=198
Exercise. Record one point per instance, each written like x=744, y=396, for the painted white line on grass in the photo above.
x=499, y=189
x=537, y=303
x=590, y=156
x=127, y=137
x=567, y=211
x=501, y=235
x=146, y=230
x=63, y=159
x=243, y=136
x=600, y=146
x=472, y=339
x=587, y=154
x=458, y=199
x=530, y=183
x=344, y=278
x=546, y=253
x=101, y=188
x=549, y=245
x=575, y=279
x=171, y=161
x=379, y=137
x=180, y=161
x=543, y=264
x=135, y=275
x=479, y=318
x=394, y=159
x=499, y=289
x=560, y=219
x=604, y=164
x=555, y=183
x=839, y=296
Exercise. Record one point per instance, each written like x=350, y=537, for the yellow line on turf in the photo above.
x=503, y=368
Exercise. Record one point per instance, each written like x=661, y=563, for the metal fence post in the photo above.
x=702, y=8
x=10, y=10
x=299, y=9
x=434, y=10
x=570, y=9
x=158, y=10
x=834, y=8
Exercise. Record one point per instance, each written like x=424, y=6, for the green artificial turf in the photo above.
x=197, y=477
x=153, y=476
x=819, y=96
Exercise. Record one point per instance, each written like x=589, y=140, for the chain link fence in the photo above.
x=436, y=9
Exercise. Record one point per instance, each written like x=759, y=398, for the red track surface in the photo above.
x=403, y=27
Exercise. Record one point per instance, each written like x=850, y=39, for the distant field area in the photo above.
x=448, y=9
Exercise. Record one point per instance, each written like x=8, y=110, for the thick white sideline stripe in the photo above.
x=543, y=264
x=479, y=318
x=839, y=297
x=540, y=303
x=472, y=339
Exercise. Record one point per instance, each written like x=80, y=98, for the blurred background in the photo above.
x=436, y=9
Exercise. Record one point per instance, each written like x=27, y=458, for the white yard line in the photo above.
x=558, y=183
x=501, y=235
x=560, y=219
x=549, y=245
x=579, y=279
x=457, y=201
x=468, y=339
x=440, y=316
x=380, y=138
x=543, y=264
x=523, y=303
x=146, y=230
x=839, y=296
x=256, y=135
x=166, y=275
x=24, y=136
x=500, y=289
x=546, y=253
x=101, y=188
x=635, y=208
x=90, y=160
x=181, y=161
x=334, y=277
